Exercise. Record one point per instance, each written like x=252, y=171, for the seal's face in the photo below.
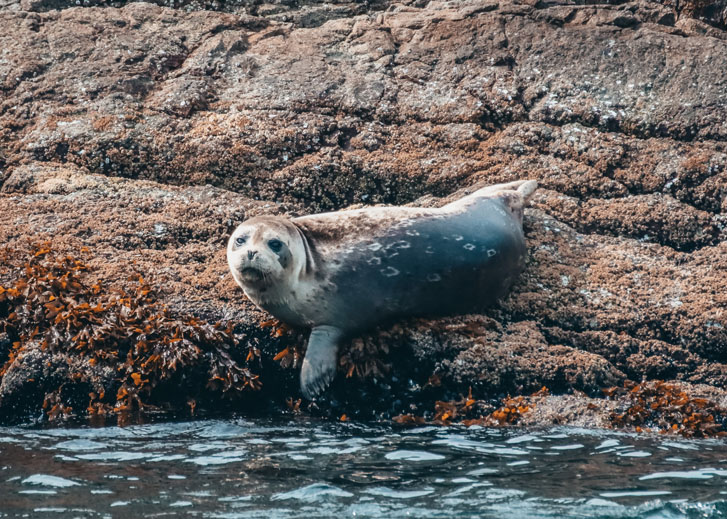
x=262, y=255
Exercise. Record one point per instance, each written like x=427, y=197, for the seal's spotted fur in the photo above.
x=339, y=273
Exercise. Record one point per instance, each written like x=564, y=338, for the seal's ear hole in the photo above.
x=275, y=245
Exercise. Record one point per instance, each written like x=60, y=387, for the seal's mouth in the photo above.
x=252, y=275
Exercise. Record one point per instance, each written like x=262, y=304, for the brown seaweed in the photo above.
x=659, y=406
x=53, y=303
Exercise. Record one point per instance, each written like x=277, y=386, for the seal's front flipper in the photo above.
x=319, y=364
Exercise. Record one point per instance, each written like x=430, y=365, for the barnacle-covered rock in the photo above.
x=135, y=151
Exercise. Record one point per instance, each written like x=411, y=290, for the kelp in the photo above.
x=470, y=411
x=54, y=304
x=662, y=407
x=111, y=350
x=291, y=356
x=364, y=358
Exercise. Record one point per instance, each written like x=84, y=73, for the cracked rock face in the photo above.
x=146, y=133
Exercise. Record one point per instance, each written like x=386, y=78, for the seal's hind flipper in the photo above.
x=507, y=191
x=516, y=195
x=319, y=364
x=527, y=189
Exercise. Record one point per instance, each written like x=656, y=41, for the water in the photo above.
x=303, y=468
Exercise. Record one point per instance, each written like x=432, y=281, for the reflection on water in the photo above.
x=303, y=468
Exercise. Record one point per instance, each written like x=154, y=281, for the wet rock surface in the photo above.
x=146, y=133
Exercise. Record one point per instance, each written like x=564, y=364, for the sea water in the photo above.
x=306, y=468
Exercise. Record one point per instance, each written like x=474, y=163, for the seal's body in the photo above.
x=340, y=273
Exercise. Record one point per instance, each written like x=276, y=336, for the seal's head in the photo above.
x=265, y=254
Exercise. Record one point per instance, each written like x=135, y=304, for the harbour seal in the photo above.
x=340, y=273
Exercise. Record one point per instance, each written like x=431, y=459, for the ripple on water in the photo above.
x=313, y=493
x=570, y=447
x=680, y=445
x=686, y=474
x=399, y=494
x=523, y=438
x=634, y=454
x=80, y=445
x=220, y=458
x=333, y=450
x=167, y=457
x=636, y=493
x=209, y=446
x=405, y=455
x=303, y=469
x=49, y=481
x=297, y=456
x=482, y=472
x=467, y=489
x=607, y=444
x=115, y=456
x=459, y=442
x=234, y=499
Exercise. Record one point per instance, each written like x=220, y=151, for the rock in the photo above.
x=145, y=133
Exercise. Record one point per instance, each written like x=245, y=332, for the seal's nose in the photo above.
x=251, y=254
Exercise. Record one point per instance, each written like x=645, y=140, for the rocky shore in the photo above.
x=134, y=137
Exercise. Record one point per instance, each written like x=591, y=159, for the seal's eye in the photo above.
x=240, y=240
x=275, y=245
